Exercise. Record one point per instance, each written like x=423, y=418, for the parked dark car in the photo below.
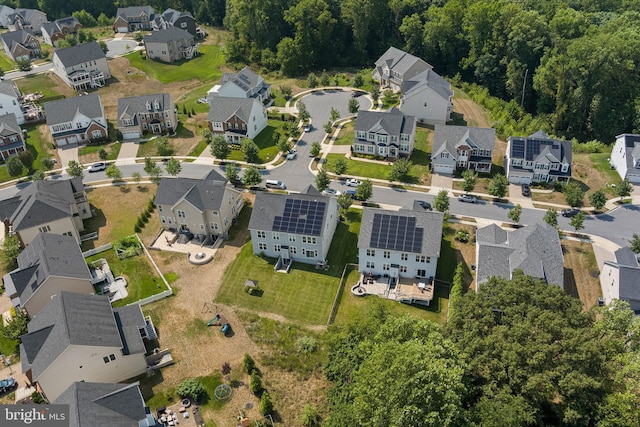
x=570, y=212
x=8, y=385
x=526, y=190
x=424, y=205
x=352, y=193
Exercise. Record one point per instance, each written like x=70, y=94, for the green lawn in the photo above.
x=155, y=400
x=304, y=294
x=113, y=149
x=39, y=83
x=346, y=135
x=264, y=140
x=142, y=278
x=202, y=145
x=602, y=165
x=204, y=67
x=37, y=145
x=388, y=102
x=148, y=148
x=8, y=347
x=6, y=64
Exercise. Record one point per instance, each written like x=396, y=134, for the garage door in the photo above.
x=130, y=135
x=123, y=29
x=60, y=142
x=517, y=179
x=72, y=139
x=443, y=169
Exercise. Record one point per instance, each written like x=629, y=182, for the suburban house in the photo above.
x=423, y=93
x=134, y=18
x=625, y=157
x=172, y=44
x=138, y=115
x=20, y=44
x=5, y=12
x=461, y=148
x=620, y=279
x=10, y=100
x=205, y=207
x=173, y=18
x=26, y=19
x=57, y=30
x=48, y=206
x=534, y=249
x=82, y=67
x=11, y=138
x=236, y=118
x=76, y=120
x=94, y=404
x=293, y=227
x=400, y=244
x=78, y=337
x=243, y=84
x=537, y=158
x=389, y=134
x=50, y=264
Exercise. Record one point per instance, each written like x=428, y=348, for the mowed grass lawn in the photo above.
x=346, y=135
x=304, y=294
x=264, y=141
x=39, y=148
x=205, y=66
x=39, y=83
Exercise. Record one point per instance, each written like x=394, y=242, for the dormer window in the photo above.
x=157, y=105
x=148, y=106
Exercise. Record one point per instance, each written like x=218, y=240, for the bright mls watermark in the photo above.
x=34, y=415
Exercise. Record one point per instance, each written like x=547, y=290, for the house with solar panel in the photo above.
x=293, y=227
x=461, y=148
x=78, y=337
x=534, y=249
x=243, y=84
x=537, y=158
x=390, y=134
x=50, y=264
x=400, y=244
x=625, y=157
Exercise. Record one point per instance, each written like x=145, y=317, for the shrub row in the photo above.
x=143, y=218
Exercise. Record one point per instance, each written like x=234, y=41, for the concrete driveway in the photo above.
x=67, y=154
x=128, y=153
x=516, y=197
x=441, y=182
x=120, y=47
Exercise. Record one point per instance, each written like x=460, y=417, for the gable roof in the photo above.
x=628, y=274
x=172, y=15
x=135, y=11
x=392, y=122
x=399, y=60
x=79, y=54
x=303, y=213
x=539, y=147
x=632, y=147
x=165, y=36
x=134, y=105
x=64, y=110
x=224, y=107
x=428, y=78
x=414, y=231
x=47, y=255
x=9, y=125
x=68, y=319
x=205, y=194
x=57, y=25
x=534, y=249
x=12, y=38
x=9, y=88
x=103, y=404
x=450, y=137
x=41, y=202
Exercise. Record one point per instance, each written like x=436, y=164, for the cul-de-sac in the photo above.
x=311, y=213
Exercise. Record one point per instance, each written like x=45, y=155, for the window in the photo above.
x=371, y=252
x=44, y=229
x=201, y=226
x=276, y=236
x=163, y=219
x=261, y=234
x=112, y=356
x=370, y=264
x=159, y=208
x=169, y=220
x=276, y=248
x=421, y=258
x=181, y=214
x=404, y=257
x=96, y=134
x=385, y=267
x=421, y=273
x=106, y=359
x=262, y=246
x=183, y=25
x=309, y=239
x=428, y=259
x=403, y=269
x=293, y=250
x=292, y=237
x=214, y=225
x=312, y=253
x=386, y=254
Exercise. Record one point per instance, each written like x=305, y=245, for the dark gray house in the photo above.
x=461, y=148
x=389, y=134
x=173, y=18
x=537, y=158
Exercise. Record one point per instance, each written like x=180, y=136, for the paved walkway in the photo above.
x=67, y=154
x=128, y=153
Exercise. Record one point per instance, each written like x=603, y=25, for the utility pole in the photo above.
x=524, y=84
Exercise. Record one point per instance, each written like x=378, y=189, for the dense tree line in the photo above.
x=517, y=353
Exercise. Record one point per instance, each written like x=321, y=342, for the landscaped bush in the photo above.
x=248, y=364
x=191, y=388
x=266, y=405
x=127, y=247
x=255, y=383
x=306, y=345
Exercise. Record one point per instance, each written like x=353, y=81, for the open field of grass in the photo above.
x=264, y=141
x=581, y=273
x=40, y=83
x=89, y=153
x=346, y=135
x=204, y=67
x=6, y=64
x=304, y=294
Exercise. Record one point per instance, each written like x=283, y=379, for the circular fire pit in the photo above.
x=199, y=258
x=358, y=290
x=200, y=255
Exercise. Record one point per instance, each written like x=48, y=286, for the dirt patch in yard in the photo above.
x=581, y=273
x=472, y=113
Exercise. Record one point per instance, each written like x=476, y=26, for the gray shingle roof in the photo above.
x=429, y=221
x=393, y=122
x=135, y=11
x=534, y=249
x=9, y=125
x=129, y=319
x=268, y=206
x=245, y=78
x=11, y=38
x=223, y=107
x=399, y=60
x=427, y=78
x=63, y=110
x=41, y=202
x=172, y=15
x=165, y=36
x=134, y=105
x=632, y=148
x=204, y=194
x=68, y=319
x=8, y=87
x=79, y=54
x=628, y=274
x=625, y=256
x=103, y=404
x=48, y=255
x=450, y=137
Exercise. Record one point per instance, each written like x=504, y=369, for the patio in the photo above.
x=405, y=290
x=197, y=250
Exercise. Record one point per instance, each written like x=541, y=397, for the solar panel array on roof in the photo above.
x=533, y=148
x=301, y=217
x=517, y=151
x=397, y=233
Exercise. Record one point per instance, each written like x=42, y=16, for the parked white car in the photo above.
x=97, y=167
x=352, y=182
x=292, y=154
x=331, y=192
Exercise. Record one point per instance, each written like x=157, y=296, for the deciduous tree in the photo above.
x=344, y=201
x=498, y=186
x=315, y=149
x=114, y=173
x=597, y=199
x=399, y=170
x=441, y=202
x=353, y=105
x=469, y=180
x=251, y=176
x=11, y=248
x=551, y=217
x=74, y=169
x=231, y=172
x=577, y=222
x=303, y=113
x=14, y=166
x=514, y=214
x=173, y=167
x=250, y=151
x=634, y=243
x=220, y=148
x=340, y=166
x=624, y=189
x=364, y=191
x=573, y=194
x=322, y=180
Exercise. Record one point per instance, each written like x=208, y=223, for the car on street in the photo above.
x=352, y=182
x=466, y=198
x=424, y=205
x=526, y=190
x=568, y=213
x=292, y=154
x=352, y=193
x=331, y=192
x=97, y=167
x=308, y=127
x=356, y=93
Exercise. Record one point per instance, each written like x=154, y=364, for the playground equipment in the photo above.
x=223, y=392
x=221, y=321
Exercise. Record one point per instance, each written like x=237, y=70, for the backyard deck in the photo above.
x=405, y=290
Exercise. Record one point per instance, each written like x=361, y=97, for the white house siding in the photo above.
x=10, y=104
x=258, y=120
x=413, y=265
x=609, y=282
x=85, y=363
x=159, y=51
x=332, y=223
x=436, y=112
x=284, y=239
